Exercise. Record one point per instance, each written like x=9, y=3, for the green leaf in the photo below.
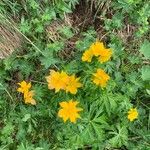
x=40, y=91
x=39, y=28
x=48, y=58
x=48, y=61
x=120, y=136
x=25, y=26
x=8, y=129
x=48, y=14
x=8, y=62
x=34, y=4
x=39, y=148
x=26, y=117
x=148, y=91
x=56, y=46
x=66, y=32
x=145, y=73
x=145, y=49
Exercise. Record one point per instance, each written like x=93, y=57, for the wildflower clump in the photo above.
x=132, y=114
x=69, y=111
x=27, y=94
x=97, y=49
x=62, y=81
x=101, y=78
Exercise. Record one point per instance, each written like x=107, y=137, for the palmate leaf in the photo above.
x=92, y=133
x=48, y=61
x=40, y=92
x=48, y=58
x=6, y=133
x=146, y=73
x=26, y=117
x=55, y=47
x=145, y=49
x=26, y=146
x=108, y=102
x=8, y=129
x=120, y=136
x=66, y=32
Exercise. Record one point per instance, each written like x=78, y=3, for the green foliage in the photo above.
x=103, y=123
x=145, y=49
x=146, y=73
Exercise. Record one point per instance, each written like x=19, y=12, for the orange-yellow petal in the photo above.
x=101, y=78
x=132, y=114
x=105, y=55
x=69, y=111
x=73, y=85
x=97, y=47
x=24, y=87
x=28, y=98
x=57, y=80
x=87, y=55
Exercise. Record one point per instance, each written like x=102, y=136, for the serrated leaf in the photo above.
x=66, y=32
x=39, y=90
x=48, y=58
x=48, y=61
x=8, y=129
x=56, y=46
x=8, y=62
x=26, y=117
x=25, y=26
x=145, y=73
x=145, y=49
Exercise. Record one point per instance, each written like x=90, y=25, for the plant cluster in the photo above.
x=66, y=89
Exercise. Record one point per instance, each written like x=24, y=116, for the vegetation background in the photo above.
x=36, y=36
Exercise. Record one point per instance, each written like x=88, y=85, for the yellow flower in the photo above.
x=101, y=78
x=105, y=55
x=62, y=81
x=73, y=84
x=24, y=87
x=28, y=95
x=69, y=111
x=132, y=114
x=28, y=98
x=57, y=80
x=97, y=47
x=87, y=55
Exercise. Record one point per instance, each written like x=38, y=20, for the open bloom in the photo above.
x=28, y=98
x=62, y=81
x=101, y=78
x=87, y=55
x=132, y=114
x=97, y=47
x=57, y=80
x=105, y=55
x=69, y=111
x=24, y=87
x=73, y=84
x=27, y=94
